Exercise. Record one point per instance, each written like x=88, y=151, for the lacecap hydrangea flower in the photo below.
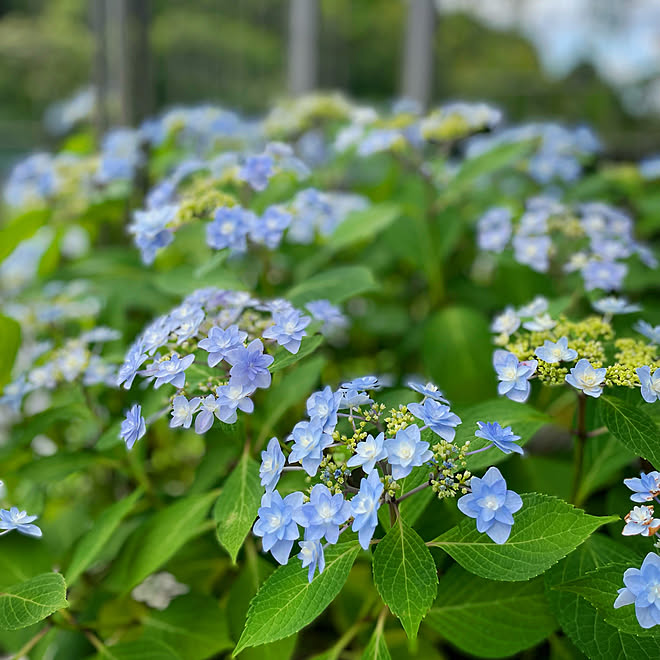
x=13, y=519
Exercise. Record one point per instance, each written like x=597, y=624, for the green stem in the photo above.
x=580, y=444
x=28, y=646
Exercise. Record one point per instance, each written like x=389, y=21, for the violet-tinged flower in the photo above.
x=494, y=229
x=183, y=411
x=429, y=390
x=612, y=305
x=257, y=171
x=503, y=438
x=288, y=329
x=643, y=589
x=209, y=407
x=324, y=513
x=584, y=377
x=156, y=334
x=309, y=441
x=645, y=487
x=20, y=521
x=533, y=251
x=649, y=331
x=133, y=427
x=437, y=417
x=491, y=504
x=272, y=464
x=132, y=362
x=606, y=275
x=406, y=451
x=364, y=508
x=513, y=375
x=553, y=352
x=311, y=554
x=362, y=384
x=269, y=228
x=229, y=228
x=331, y=316
x=323, y=406
x=368, y=453
x=189, y=324
x=353, y=399
x=277, y=523
x=507, y=322
x=250, y=365
x=650, y=383
x=219, y=342
x=171, y=370
x=232, y=397
x=640, y=521
x=150, y=230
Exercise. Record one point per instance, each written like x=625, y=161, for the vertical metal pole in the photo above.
x=304, y=18
x=417, y=70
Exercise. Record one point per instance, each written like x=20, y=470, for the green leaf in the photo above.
x=363, y=225
x=10, y=340
x=30, y=602
x=236, y=507
x=157, y=540
x=377, y=647
x=580, y=620
x=458, y=355
x=413, y=507
x=284, y=358
x=545, y=530
x=287, y=601
x=509, y=617
x=336, y=285
x=405, y=575
x=54, y=468
x=194, y=626
x=20, y=228
x=523, y=419
x=139, y=649
x=90, y=546
x=600, y=588
x=21, y=559
x=633, y=427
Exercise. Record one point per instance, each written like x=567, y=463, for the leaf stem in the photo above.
x=29, y=645
x=415, y=490
x=581, y=436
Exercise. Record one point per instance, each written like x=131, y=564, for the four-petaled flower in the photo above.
x=323, y=406
x=232, y=397
x=309, y=442
x=183, y=411
x=553, y=352
x=429, y=390
x=171, y=370
x=585, y=377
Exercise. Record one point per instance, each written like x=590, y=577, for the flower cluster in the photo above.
x=358, y=456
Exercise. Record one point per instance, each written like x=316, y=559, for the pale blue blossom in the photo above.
x=250, y=365
x=513, y=375
x=133, y=427
x=583, y=376
x=368, y=452
x=311, y=554
x=650, y=383
x=272, y=464
x=183, y=411
x=288, y=329
x=364, y=508
x=324, y=513
x=11, y=519
x=309, y=441
x=277, y=523
x=406, y=451
x=221, y=341
x=640, y=521
x=643, y=589
x=554, y=352
x=437, y=417
x=323, y=406
x=232, y=397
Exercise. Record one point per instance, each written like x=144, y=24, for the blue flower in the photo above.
x=150, y=230
x=209, y=408
x=494, y=229
x=331, y=316
x=272, y=464
x=324, y=513
x=606, y=275
x=507, y=322
x=584, y=377
x=309, y=443
x=257, y=171
x=643, y=589
x=641, y=521
x=269, y=229
x=277, y=523
x=229, y=228
x=646, y=329
x=538, y=306
x=120, y=155
x=132, y=362
x=364, y=508
x=380, y=139
x=172, y=370
x=613, y=305
x=491, y=504
x=156, y=334
x=20, y=521
x=645, y=487
x=368, y=453
x=363, y=383
x=540, y=323
x=429, y=390
x=231, y=397
x=513, y=375
x=552, y=352
x=503, y=439
x=406, y=451
x=323, y=406
x=353, y=399
x=288, y=329
x=533, y=251
x=650, y=383
x=250, y=365
x=133, y=427
x=311, y=554
x=219, y=342
x=437, y=417
x=183, y=411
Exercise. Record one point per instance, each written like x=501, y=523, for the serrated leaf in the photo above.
x=405, y=575
x=580, y=620
x=633, y=427
x=157, y=540
x=336, y=285
x=30, y=602
x=545, y=530
x=90, y=546
x=523, y=419
x=284, y=358
x=600, y=587
x=10, y=340
x=510, y=617
x=236, y=507
x=287, y=602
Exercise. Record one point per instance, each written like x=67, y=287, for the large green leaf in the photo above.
x=236, y=507
x=30, y=602
x=510, y=617
x=21, y=559
x=633, y=427
x=580, y=620
x=157, y=540
x=363, y=225
x=405, y=575
x=139, y=649
x=90, y=546
x=413, y=507
x=284, y=358
x=336, y=285
x=10, y=340
x=287, y=601
x=545, y=530
x=20, y=228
